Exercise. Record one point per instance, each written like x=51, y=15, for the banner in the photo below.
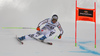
x=84, y=14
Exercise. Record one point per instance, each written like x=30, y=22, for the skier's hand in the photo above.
x=38, y=28
x=59, y=37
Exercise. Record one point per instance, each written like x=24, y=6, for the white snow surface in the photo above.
x=28, y=13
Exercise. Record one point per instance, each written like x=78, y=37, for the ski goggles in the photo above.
x=55, y=17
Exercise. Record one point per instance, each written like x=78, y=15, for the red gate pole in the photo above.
x=76, y=25
x=95, y=21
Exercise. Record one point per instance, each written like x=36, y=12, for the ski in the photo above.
x=49, y=43
x=19, y=40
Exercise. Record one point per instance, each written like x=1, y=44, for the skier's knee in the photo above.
x=31, y=35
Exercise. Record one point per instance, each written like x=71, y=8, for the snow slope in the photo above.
x=28, y=13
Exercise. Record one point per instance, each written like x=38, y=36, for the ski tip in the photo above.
x=50, y=43
x=22, y=43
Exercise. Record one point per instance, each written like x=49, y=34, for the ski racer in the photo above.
x=48, y=30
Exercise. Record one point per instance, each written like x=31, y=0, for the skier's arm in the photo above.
x=61, y=31
x=41, y=23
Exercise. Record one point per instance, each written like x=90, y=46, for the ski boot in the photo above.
x=21, y=38
x=42, y=38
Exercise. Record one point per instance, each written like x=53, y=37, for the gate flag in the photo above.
x=85, y=14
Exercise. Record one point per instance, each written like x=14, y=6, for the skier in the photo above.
x=48, y=30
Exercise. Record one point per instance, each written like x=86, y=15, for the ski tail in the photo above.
x=49, y=43
x=19, y=40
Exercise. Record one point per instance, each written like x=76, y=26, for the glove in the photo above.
x=59, y=37
x=38, y=28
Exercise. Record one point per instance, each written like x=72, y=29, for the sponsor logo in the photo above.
x=88, y=13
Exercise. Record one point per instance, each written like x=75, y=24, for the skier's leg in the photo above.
x=46, y=34
x=30, y=35
x=52, y=32
x=35, y=35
